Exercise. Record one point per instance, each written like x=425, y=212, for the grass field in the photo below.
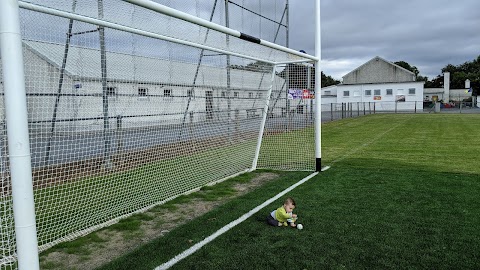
x=402, y=193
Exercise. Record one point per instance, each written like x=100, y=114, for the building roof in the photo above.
x=378, y=70
x=375, y=59
x=84, y=63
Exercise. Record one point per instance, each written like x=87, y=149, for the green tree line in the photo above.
x=458, y=74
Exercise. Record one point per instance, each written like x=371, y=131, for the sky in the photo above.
x=428, y=34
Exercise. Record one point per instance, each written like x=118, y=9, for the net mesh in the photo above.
x=119, y=130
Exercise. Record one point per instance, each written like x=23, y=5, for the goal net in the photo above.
x=129, y=108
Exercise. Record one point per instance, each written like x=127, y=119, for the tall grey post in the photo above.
x=17, y=134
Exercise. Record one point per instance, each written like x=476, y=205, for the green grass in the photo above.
x=402, y=193
x=131, y=226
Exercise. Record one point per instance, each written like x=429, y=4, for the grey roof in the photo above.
x=379, y=58
x=85, y=63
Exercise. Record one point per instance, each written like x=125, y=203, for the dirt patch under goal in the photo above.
x=114, y=243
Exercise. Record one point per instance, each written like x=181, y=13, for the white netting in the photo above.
x=288, y=142
x=119, y=130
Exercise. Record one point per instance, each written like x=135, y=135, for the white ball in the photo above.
x=299, y=226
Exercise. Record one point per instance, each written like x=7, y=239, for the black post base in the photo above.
x=318, y=164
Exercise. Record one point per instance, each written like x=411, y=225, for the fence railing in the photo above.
x=336, y=111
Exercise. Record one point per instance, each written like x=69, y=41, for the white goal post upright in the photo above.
x=17, y=134
x=318, y=87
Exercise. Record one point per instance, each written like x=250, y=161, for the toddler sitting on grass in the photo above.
x=283, y=215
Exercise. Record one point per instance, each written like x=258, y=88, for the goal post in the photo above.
x=123, y=116
x=18, y=143
x=318, y=86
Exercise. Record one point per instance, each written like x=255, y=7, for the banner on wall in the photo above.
x=300, y=94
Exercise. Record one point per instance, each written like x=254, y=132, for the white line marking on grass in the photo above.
x=232, y=224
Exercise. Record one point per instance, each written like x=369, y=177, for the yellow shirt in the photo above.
x=281, y=215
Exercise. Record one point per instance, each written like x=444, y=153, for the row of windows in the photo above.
x=378, y=92
x=143, y=92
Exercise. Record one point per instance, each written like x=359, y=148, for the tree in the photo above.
x=298, y=77
x=468, y=70
x=407, y=66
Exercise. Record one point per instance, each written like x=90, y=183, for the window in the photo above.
x=356, y=93
x=167, y=92
x=389, y=92
x=368, y=92
x=142, y=92
x=250, y=95
x=190, y=93
x=260, y=95
x=377, y=92
x=346, y=93
x=111, y=91
x=411, y=91
x=224, y=93
x=235, y=94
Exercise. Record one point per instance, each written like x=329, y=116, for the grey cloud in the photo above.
x=428, y=34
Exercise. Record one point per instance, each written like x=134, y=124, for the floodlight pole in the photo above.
x=318, y=86
x=60, y=86
x=17, y=134
x=229, y=101
x=287, y=67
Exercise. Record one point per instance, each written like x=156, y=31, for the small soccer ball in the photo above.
x=299, y=226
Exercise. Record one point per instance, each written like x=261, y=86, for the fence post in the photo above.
x=17, y=134
x=119, y=134
x=461, y=103
x=396, y=106
x=415, y=106
x=363, y=108
x=331, y=111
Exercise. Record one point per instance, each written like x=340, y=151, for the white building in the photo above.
x=142, y=90
x=389, y=86
x=446, y=94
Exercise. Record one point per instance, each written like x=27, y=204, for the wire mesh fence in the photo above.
x=120, y=121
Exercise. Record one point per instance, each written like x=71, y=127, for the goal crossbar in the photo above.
x=199, y=21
